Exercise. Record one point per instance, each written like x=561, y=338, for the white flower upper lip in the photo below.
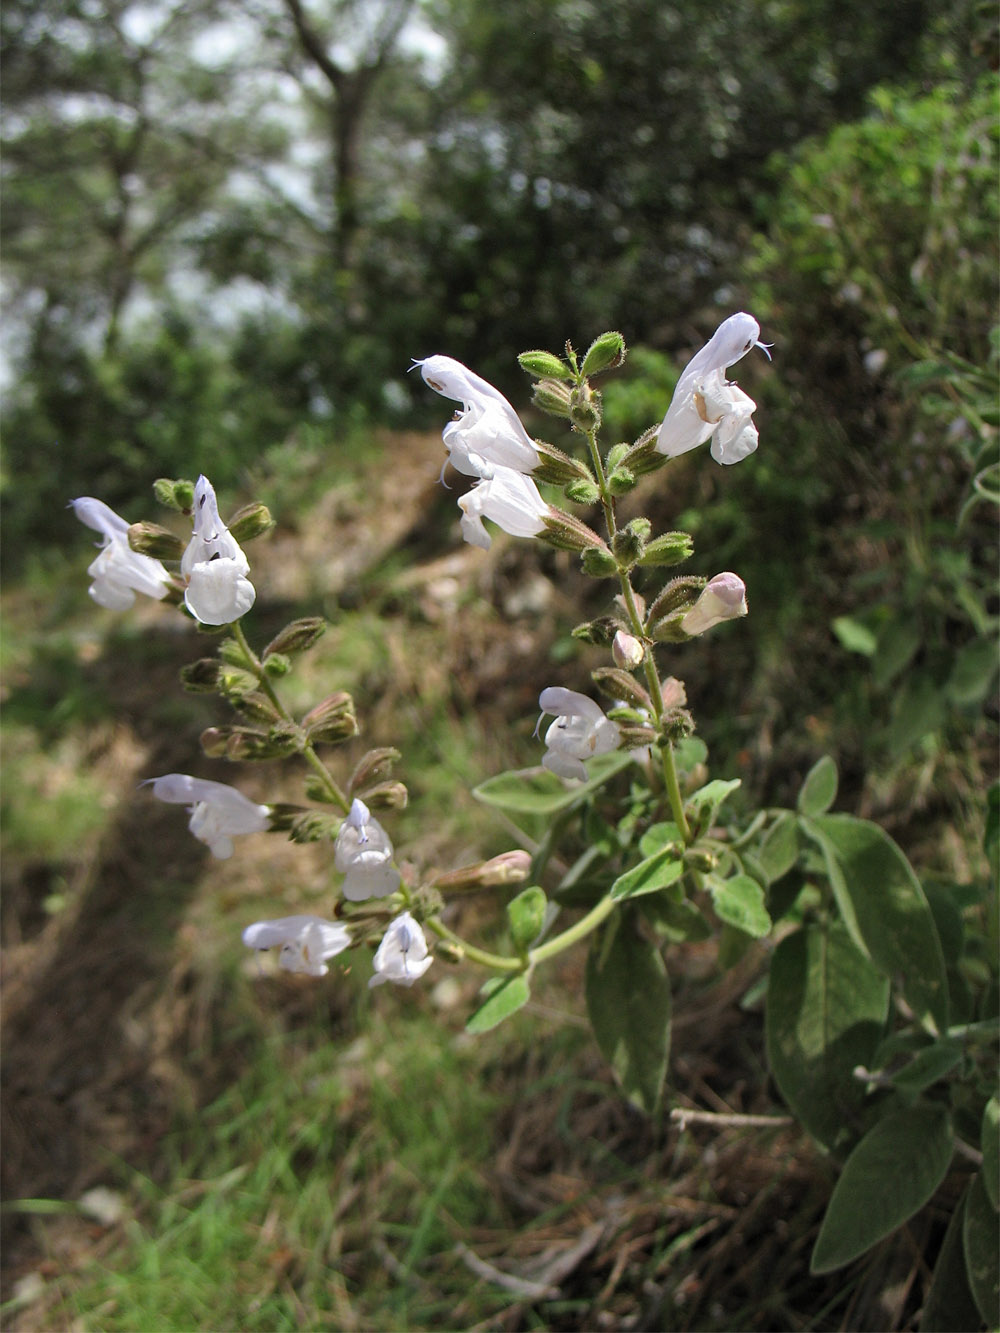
x=579, y=732
x=218, y=811
x=214, y=565
x=118, y=573
x=363, y=853
x=305, y=942
x=402, y=956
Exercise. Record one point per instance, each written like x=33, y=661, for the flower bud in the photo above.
x=679, y=595
x=627, y=546
x=332, y=720
x=278, y=743
x=724, y=597
x=620, y=686
x=213, y=742
x=616, y=456
x=634, y=735
x=256, y=706
x=627, y=651
x=383, y=795
x=201, y=677
x=670, y=548
x=297, y=636
x=544, y=365
x=598, y=562
x=253, y=520
x=643, y=457
x=620, y=481
x=678, y=724
x=600, y=631
x=151, y=539
x=585, y=408
x=559, y=467
x=607, y=350
x=174, y=494
x=507, y=868
x=566, y=532
x=373, y=767
x=552, y=397
x=277, y=665
x=234, y=682
x=314, y=826
x=583, y=492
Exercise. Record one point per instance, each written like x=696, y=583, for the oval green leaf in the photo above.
x=949, y=1307
x=826, y=1011
x=536, y=791
x=506, y=995
x=649, y=876
x=981, y=1242
x=891, y=1174
x=990, y=1142
x=819, y=788
x=739, y=902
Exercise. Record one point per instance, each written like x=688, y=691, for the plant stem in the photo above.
x=499, y=962
x=308, y=752
x=575, y=932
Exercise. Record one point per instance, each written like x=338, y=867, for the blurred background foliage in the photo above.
x=228, y=226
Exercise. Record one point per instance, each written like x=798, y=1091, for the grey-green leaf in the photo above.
x=739, y=901
x=949, y=1307
x=892, y=1173
x=536, y=791
x=826, y=1011
x=628, y=999
x=779, y=848
x=883, y=903
x=656, y=872
x=505, y=996
x=819, y=788
x=981, y=1242
x=990, y=1142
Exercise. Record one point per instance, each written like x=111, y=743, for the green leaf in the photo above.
x=628, y=999
x=898, y=641
x=526, y=916
x=678, y=922
x=649, y=876
x=854, y=636
x=885, y=908
x=826, y=1010
x=705, y=802
x=917, y=710
x=658, y=836
x=504, y=996
x=990, y=1144
x=779, y=849
x=972, y=675
x=928, y=1066
x=949, y=1307
x=536, y=791
x=739, y=902
x=891, y=1174
x=981, y=1242
x=819, y=788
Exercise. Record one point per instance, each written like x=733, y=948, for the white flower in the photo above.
x=214, y=566
x=579, y=732
x=706, y=406
x=723, y=597
x=511, y=500
x=118, y=572
x=402, y=956
x=306, y=942
x=217, y=810
x=489, y=433
x=363, y=854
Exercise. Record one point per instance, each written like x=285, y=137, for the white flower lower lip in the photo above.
x=402, y=957
x=579, y=732
x=218, y=811
x=214, y=565
x=118, y=573
x=304, y=942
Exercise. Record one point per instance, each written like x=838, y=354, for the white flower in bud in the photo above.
x=580, y=731
x=118, y=572
x=706, y=406
x=363, y=854
x=218, y=811
x=305, y=942
x=627, y=651
x=489, y=433
x=214, y=566
x=510, y=499
x=723, y=597
x=402, y=956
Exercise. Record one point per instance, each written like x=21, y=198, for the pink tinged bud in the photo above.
x=706, y=406
x=579, y=732
x=489, y=433
x=363, y=854
x=214, y=565
x=507, y=868
x=402, y=957
x=305, y=942
x=724, y=597
x=218, y=811
x=118, y=573
x=627, y=651
x=510, y=499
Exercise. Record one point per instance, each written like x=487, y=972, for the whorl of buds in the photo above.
x=620, y=480
x=545, y=365
x=607, y=350
x=297, y=636
x=627, y=545
x=621, y=687
x=172, y=494
x=151, y=539
x=253, y=520
x=567, y=533
x=332, y=720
